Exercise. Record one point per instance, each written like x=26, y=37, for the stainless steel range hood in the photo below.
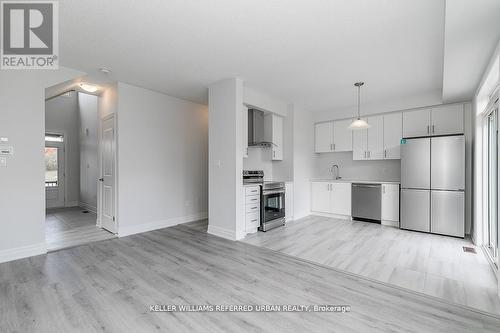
x=256, y=129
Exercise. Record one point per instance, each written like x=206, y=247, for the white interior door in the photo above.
x=107, y=180
x=54, y=172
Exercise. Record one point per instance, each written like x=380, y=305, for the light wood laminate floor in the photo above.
x=66, y=227
x=430, y=264
x=108, y=286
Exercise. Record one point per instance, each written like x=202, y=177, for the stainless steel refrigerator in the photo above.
x=433, y=185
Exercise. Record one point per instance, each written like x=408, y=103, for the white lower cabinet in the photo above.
x=252, y=208
x=390, y=202
x=331, y=197
x=320, y=197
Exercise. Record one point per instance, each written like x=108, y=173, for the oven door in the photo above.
x=273, y=205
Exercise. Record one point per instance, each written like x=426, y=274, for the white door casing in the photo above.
x=107, y=186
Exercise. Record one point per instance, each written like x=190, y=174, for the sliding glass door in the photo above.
x=492, y=244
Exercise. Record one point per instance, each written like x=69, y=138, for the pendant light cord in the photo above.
x=359, y=93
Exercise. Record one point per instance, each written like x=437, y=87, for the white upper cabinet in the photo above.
x=342, y=135
x=440, y=120
x=447, y=119
x=416, y=123
x=274, y=133
x=333, y=136
x=323, y=137
x=375, y=144
x=368, y=144
x=393, y=132
x=359, y=144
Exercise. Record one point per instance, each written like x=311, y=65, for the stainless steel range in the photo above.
x=272, y=199
x=272, y=206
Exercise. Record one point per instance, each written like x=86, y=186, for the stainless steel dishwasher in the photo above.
x=366, y=202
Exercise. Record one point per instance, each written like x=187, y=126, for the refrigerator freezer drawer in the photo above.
x=415, y=210
x=447, y=217
x=416, y=163
x=448, y=163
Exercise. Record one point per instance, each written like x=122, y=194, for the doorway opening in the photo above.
x=73, y=171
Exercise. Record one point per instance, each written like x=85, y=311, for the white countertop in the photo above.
x=330, y=180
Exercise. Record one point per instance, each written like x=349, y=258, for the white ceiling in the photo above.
x=472, y=32
x=306, y=52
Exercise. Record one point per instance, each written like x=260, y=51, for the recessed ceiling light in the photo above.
x=104, y=70
x=91, y=88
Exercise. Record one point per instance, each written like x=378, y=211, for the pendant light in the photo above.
x=359, y=123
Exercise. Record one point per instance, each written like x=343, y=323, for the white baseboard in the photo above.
x=71, y=204
x=124, y=231
x=225, y=233
x=23, y=252
x=335, y=216
x=87, y=207
x=387, y=223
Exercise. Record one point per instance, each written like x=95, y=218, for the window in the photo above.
x=51, y=166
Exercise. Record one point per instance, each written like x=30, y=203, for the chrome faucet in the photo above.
x=337, y=174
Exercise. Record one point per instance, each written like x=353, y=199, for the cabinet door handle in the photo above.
x=428, y=129
x=385, y=153
x=334, y=146
x=331, y=146
x=432, y=129
x=365, y=154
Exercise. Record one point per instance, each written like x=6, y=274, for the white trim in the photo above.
x=23, y=252
x=72, y=204
x=87, y=207
x=226, y=233
x=388, y=223
x=335, y=216
x=149, y=226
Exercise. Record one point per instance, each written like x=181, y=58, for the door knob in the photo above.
x=101, y=179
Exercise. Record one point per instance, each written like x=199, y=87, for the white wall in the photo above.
x=259, y=159
x=388, y=170
x=22, y=198
x=303, y=161
x=264, y=102
x=226, y=205
x=89, y=158
x=408, y=102
x=162, y=160
x=61, y=116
